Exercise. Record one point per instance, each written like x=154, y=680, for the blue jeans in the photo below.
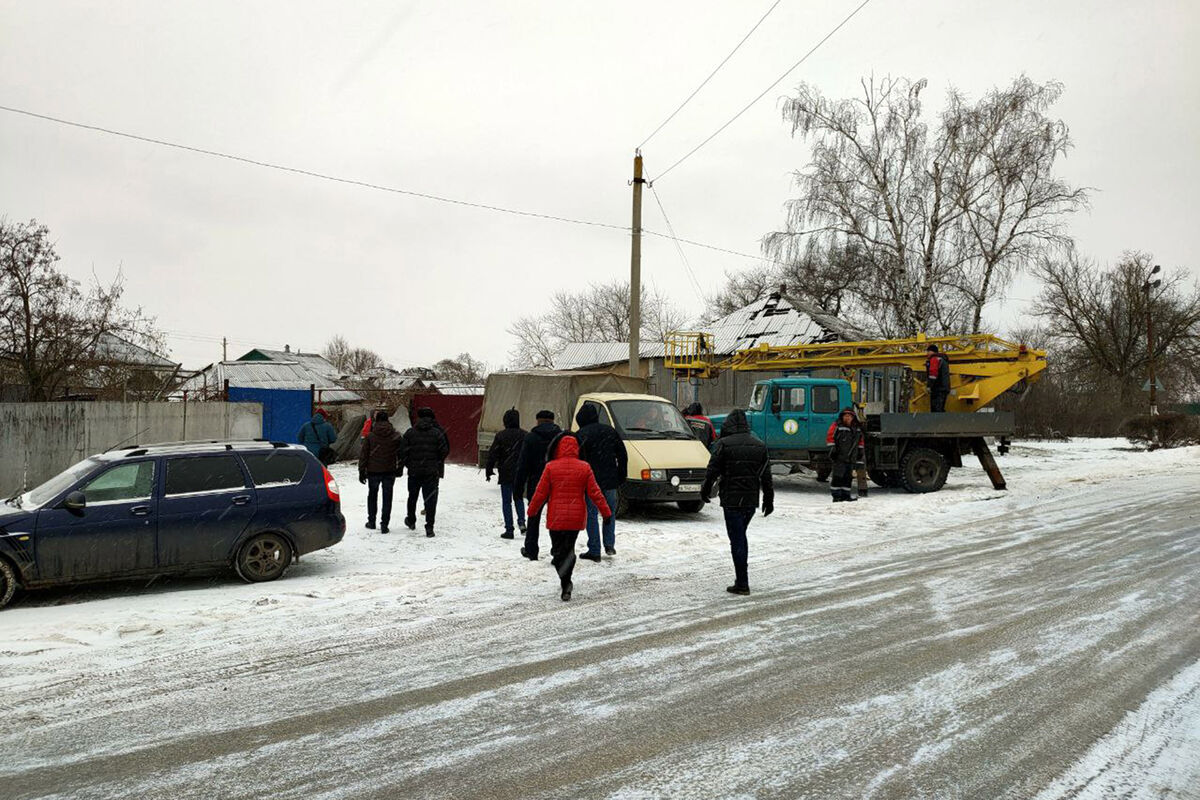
x=509, y=497
x=593, y=523
x=737, y=520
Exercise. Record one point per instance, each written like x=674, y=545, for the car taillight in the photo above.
x=331, y=487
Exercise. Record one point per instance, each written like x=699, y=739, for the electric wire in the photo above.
x=704, y=83
x=678, y=247
x=763, y=93
x=311, y=173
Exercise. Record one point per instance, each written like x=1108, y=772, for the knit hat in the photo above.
x=425, y=413
x=546, y=415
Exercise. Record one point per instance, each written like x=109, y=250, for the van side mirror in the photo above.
x=776, y=402
x=75, y=502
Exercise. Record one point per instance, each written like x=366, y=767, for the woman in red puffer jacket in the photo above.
x=566, y=484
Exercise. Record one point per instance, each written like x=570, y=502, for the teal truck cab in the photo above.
x=792, y=415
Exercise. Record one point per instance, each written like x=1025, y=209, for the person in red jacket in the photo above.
x=566, y=485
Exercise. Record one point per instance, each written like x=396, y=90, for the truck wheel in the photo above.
x=823, y=474
x=880, y=478
x=923, y=470
x=690, y=506
x=8, y=582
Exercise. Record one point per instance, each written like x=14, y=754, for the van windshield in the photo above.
x=58, y=484
x=649, y=419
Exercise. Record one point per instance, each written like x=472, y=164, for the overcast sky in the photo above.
x=530, y=105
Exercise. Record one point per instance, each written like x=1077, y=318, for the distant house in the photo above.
x=114, y=369
x=271, y=369
x=773, y=320
x=452, y=388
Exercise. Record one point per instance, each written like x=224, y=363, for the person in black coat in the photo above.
x=529, y=471
x=426, y=448
x=845, y=440
x=740, y=462
x=379, y=462
x=504, y=454
x=937, y=378
x=601, y=446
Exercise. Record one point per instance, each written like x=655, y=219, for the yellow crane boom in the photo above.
x=982, y=366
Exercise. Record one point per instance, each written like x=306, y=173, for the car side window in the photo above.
x=825, y=399
x=275, y=468
x=602, y=411
x=123, y=482
x=793, y=399
x=202, y=474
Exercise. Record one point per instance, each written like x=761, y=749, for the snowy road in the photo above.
x=1042, y=643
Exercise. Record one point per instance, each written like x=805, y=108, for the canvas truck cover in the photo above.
x=530, y=392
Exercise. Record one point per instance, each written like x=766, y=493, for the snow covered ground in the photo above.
x=86, y=656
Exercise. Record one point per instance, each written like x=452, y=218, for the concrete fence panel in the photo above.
x=39, y=440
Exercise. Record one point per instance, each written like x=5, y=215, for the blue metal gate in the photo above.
x=284, y=410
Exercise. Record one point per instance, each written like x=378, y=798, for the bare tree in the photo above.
x=936, y=220
x=51, y=330
x=351, y=360
x=599, y=313
x=1096, y=320
x=463, y=369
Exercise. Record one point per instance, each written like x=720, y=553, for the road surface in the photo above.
x=987, y=662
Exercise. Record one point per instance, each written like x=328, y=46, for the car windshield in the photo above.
x=649, y=419
x=56, y=485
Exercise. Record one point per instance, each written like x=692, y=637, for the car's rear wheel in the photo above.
x=8, y=582
x=264, y=558
x=690, y=506
x=622, y=509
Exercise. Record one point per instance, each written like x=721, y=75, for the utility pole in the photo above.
x=224, y=349
x=1148, y=287
x=635, y=269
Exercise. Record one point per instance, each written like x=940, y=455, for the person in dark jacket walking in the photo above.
x=937, y=378
x=425, y=451
x=504, y=454
x=739, y=461
x=602, y=448
x=317, y=434
x=567, y=483
x=845, y=440
x=379, y=463
x=530, y=464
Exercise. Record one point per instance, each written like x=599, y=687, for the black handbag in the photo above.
x=326, y=455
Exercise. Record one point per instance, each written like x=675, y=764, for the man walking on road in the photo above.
x=529, y=471
x=565, y=485
x=601, y=447
x=739, y=461
x=318, y=436
x=504, y=453
x=379, y=463
x=426, y=448
x=937, y=378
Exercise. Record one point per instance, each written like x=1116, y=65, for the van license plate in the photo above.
x=689, y=487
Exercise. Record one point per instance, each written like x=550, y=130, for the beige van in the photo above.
x=666, y=461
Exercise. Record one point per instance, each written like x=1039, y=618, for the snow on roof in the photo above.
x=314, y=362
x=771, y=320
x=448, y=387
x=112, y=349
x=580, y=355
x=267, y=375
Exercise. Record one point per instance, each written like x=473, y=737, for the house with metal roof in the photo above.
x=211, y=382
x=775, y=319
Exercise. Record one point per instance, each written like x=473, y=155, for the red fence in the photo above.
x=459, y=416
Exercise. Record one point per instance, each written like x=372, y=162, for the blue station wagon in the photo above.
x=171, y=508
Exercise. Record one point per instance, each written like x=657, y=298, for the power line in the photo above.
x=763, y=94
x=704, y=83
x=310, y=173
x=678, y=248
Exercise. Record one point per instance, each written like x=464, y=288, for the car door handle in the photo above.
x=140, y=511
x=241, y=500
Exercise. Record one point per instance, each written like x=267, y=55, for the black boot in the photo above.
x=370, y=524
x=837, y=496
x=566, y=591
x=410, y=523
x=429, y=531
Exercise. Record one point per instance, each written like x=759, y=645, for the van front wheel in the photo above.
x=690, y=506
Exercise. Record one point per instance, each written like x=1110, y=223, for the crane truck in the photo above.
x=915, y=449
